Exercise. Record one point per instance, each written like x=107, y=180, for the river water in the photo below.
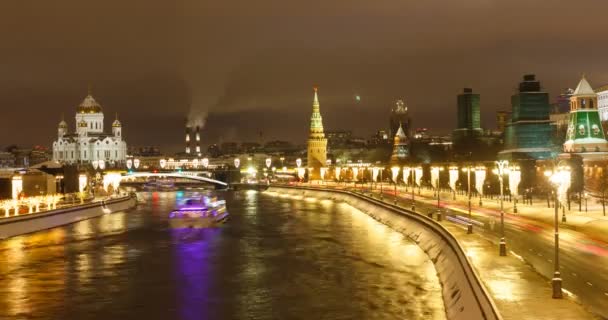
x=276, y=258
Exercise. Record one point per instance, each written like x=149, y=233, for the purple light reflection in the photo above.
x=193, y=273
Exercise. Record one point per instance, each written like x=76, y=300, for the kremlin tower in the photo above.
x=400, y=149
x=317, y=143
x=585, y=133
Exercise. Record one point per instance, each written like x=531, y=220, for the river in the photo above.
x=276, y=258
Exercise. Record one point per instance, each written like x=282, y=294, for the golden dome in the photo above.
x=63, y=124
x=116, y=124
x=89, y=105
x=82, y=124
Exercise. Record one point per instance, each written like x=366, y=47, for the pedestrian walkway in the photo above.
x=519, y=292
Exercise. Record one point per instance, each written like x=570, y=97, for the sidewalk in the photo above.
x=520, y=293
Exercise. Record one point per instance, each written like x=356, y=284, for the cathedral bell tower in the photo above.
x=317, y=143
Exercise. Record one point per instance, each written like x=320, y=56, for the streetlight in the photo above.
x=435, y=181
x=502, y=168
x=453, y=178
x=560, y=177
x=338, y=170
x=468, y=171
x=418, y=171
x=480, y=177
x=514, y=179
x=381, y=169
x=586, y=194
x=395, y=173
x=413, y=189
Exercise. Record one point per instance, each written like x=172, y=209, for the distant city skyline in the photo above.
x=249, y=67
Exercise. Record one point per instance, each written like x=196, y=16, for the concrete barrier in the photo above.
x=464, y=295
x=27, y=223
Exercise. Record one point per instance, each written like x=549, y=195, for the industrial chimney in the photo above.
x=188, y=129
x=198, y=141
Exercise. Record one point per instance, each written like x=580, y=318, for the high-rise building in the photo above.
x=502, y=118
x=400, y=117
x=317, y=143
x=469, y=117
x=89, y=143
x=528, y=134
x=400, y=147
x=468, y=126
x=585, y=132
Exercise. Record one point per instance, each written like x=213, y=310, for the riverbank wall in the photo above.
x=464, y=295
x=28, y=223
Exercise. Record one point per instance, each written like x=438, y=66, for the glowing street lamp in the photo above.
x=338, y=171
x=136, y=163
x=162, y=163
x=405, y=176
x=560, y=178
x=453, y=178
x=268, y=162
x=205, y=163
x=237, y=162
x=468, y=170
x=322, y=173
x=514, y=179
x=129, y=163
x=502, y=168
x=435, y=181
x=480, y=178
x=395, y=174
x=310, y=169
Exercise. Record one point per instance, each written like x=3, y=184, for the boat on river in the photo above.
x=199, y=212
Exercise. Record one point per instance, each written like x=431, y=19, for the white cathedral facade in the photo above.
x=89, y=144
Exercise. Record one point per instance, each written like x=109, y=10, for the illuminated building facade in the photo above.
x=400, y=118
x=89, y=142
x=317, y=143
x=585, y=132
x=528, y=134
x=400, y=147
x=468, y=126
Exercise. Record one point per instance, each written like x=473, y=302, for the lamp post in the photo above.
x=586, y=201
x=395, y=174
x=381, y=169
x=435, y=180
x=480, y=177
x=413, y=173
x=501, y=169
x=560, y=177
x=468, y=171
x=514, y=179
x=453, y=178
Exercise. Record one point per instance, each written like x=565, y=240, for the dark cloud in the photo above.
x=250, y=65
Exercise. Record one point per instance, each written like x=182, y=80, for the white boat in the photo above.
x=203, y=212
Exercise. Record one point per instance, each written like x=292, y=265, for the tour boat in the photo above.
x=203, y=212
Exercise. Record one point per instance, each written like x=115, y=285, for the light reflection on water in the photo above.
x=276, y=258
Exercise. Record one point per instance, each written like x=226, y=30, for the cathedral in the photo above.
x=89, y=143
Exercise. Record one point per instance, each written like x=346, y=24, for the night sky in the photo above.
x=251, y=65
